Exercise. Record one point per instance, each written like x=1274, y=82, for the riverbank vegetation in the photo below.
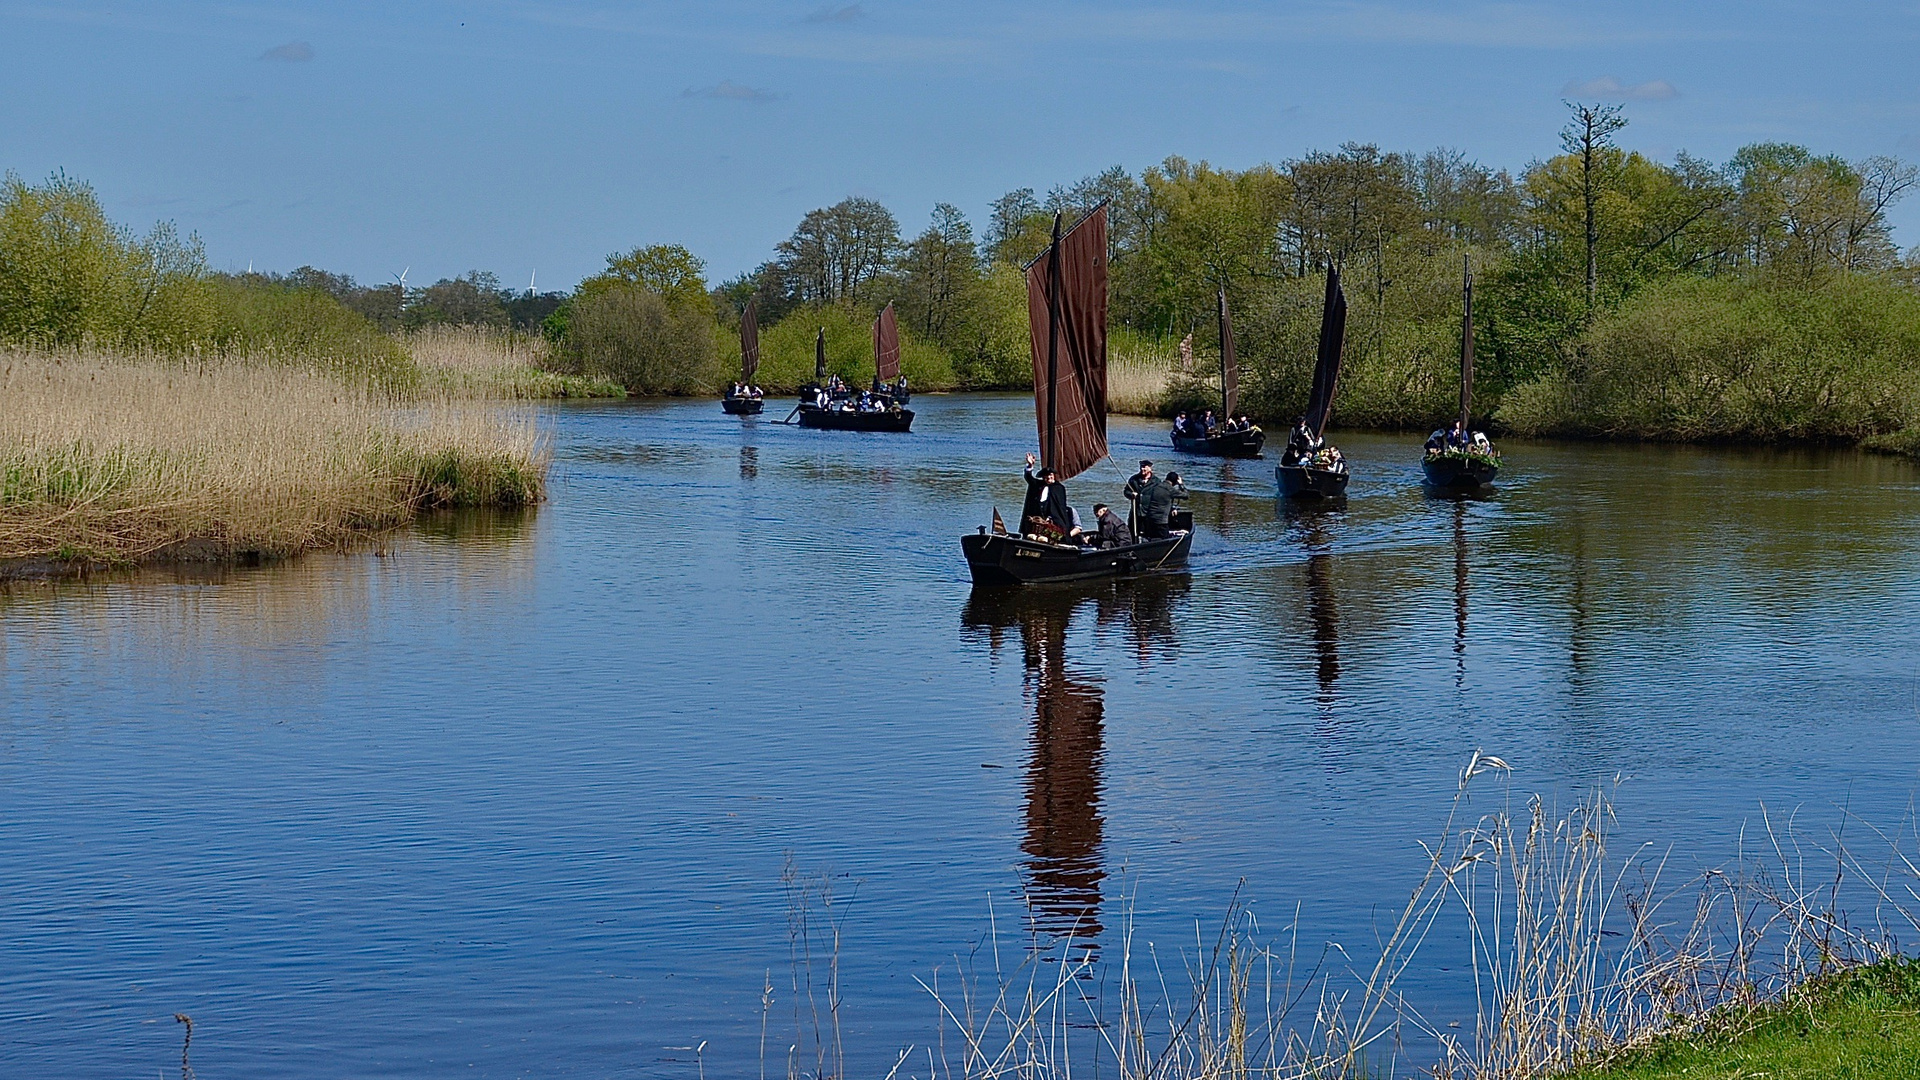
x=107, y=457
x=1760, y=299
x=1582, y=963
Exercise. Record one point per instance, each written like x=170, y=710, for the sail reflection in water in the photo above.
x=1310, y=524
x=1063, y=836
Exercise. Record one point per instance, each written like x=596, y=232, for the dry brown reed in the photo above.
x=1139, y=373
x=109, y=458
x=484, y=362
x=1575, y=960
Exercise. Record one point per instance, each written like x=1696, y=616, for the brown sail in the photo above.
x=820, y=357
x=1466, y=349
x=1229, y=363
x=886, y=345
x=749, y=341
x=1326, y=370
x=1067, y=311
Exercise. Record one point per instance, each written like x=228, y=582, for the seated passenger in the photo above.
x=1113, y=531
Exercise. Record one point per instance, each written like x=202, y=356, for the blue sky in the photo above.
x=515, y=137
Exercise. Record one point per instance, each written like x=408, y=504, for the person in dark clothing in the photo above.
x=1046, y=501
x=1301, y=443
x=1152, y=501
x=1113, y=531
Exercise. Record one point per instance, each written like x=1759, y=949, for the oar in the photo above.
x=791, y=415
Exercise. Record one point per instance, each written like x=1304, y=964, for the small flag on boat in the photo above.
x=999, y=527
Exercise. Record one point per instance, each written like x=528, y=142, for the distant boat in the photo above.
x=746, y=404
x=833, y=406
x=1453, y=466
x=1219, y=442
x=1308, y=468
x=1067, y=314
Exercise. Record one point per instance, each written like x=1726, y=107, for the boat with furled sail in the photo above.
x=743, y=398
x=1309, y=468
x=1228, y=439
x=832, y=405
x=1462, y=460
x=1067, y=316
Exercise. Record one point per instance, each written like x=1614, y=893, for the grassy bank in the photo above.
x=1862, y=1024
x=109, y=459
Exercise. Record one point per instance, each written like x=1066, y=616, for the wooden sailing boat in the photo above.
x=1067, y=314
x=1309, y=468
x=1221, y=443
x=841, y=411
x=746, y=404
x=1454, y=467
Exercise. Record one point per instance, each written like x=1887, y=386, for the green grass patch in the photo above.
x=1862, y=1024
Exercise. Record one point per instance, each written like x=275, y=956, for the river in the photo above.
x=536, y=794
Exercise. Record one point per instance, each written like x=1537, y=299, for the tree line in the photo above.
x=1575, y=256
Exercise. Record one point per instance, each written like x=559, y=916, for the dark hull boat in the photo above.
x=1235, y=444
x=1301, y=482
x=1230, y=444
x=740, y=404
x=813, y=416
x=1448, y=468
x=1005, y=559
x=1458, y=472
x=1067, y=323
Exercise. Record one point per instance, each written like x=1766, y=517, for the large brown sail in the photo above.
x=749, y=341
x=1067, y=312
x=1326, y=370
x=886, y=345
x=1229, y=363
x=1466, y=348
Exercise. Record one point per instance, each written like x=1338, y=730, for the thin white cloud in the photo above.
x=1609, y=87
x=728, y=90
x=831, y=14
x=293, y=52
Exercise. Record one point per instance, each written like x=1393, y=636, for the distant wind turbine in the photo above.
x=530, y=277
x=402, y=278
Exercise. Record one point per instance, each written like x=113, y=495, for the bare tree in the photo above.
x=1588, y=132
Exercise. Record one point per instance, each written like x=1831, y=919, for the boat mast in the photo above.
x=1228, y=369
x=1466, y=343
x=1055, y=286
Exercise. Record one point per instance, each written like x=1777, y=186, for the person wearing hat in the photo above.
x=1152, y=501
x=1046, y=501
x=1113, y=531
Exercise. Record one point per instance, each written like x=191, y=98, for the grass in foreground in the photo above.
x=1862, y=1024
x=107, y=459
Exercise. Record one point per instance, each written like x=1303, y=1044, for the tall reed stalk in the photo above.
x=1575, y=959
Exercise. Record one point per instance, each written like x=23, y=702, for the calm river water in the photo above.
x=516, y=796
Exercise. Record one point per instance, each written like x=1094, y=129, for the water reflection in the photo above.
x=749, y=462
x=1063, y=832
x=1459, y=595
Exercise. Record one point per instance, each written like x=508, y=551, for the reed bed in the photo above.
x=107, y=458
x=1580, y=957
x=1139, y=375
x=482, y=362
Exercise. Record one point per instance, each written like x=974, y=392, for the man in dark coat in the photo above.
x=1113, y=531
x=1046, y=500
x=1152, y=501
